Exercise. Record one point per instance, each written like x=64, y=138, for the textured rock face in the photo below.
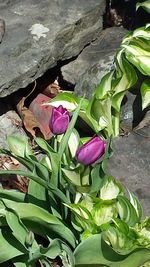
x=95, y=60
x=130, y=163
x=40, y=33
x=11, y=124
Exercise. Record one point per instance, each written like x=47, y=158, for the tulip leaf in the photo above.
x=19, y=146
x=37, y=195
x=52, y=188
x=40, y=221
x=64, y=141
x=18, y=228
x=12, y=195
x=145, y=93
x=53, y=156
x=96, y=179
x=72, y=176
x=10, y=247
x=95, y=252
x=26, y=162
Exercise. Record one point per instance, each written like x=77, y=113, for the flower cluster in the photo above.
x=86, y=154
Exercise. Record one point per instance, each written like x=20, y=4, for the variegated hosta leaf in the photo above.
x=73, y=142
x=127, y=79
x=101, y=112
x=142, y=32
x=145, y=93
x=120, y=237
x=103, y=90
x=66, y=99
x=110, y=188
x=103, y=214
x=126, y=211
x=145, y=5
x=138, y=57
x=136, y=204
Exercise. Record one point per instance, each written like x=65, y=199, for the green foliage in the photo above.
x=71, y=211
x=145, y=5
x=102, y=111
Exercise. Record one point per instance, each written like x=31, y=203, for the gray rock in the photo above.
x=11, y=124
x=94, y=61
x=130, y=164
x=38, y=34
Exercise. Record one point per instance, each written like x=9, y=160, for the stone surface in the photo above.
x=94, y=61
x=130, y=163
x=38, y=34
x=11, y=124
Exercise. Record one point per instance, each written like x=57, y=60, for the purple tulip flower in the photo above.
x=91, y=151
x=59, y=120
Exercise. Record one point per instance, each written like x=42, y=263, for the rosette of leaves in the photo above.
x=111, y=228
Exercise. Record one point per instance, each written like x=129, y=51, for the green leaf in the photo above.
x=136, y=204
x=53, y=156
x=19, y=230
x=26, y=162
x=139, y=57
x=37, y=195
x=94, y=252
x=103, y=90
x=127, y=79
x=72, y=176
x=110, y=188
x=66, y=136
x=40, y=221
x=52, y=188
x=145, y=93
x=12, y=195
x=19, y=146
x=101, y=112
x=57, y=248
x=73, y=142
x=126, y=211
x=145, y=5
x=9, y=245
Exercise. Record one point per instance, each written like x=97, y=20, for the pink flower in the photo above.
x=91, y=151
x=59, y=120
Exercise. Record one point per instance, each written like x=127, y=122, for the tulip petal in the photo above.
x=91, y=151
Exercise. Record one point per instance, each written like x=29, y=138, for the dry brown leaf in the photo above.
x=12, y=181
x=52, y=89
x=30, y=122
x=145, y=122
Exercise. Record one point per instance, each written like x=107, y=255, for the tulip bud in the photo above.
x=59, y=120
x=29, y=239
x=91, y=151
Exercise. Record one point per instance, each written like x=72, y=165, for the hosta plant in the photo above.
x=102, y=111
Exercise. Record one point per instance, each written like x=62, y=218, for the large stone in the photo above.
x=11, y=124
x=130, y=163
x=94, y=61
x=38, y=34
